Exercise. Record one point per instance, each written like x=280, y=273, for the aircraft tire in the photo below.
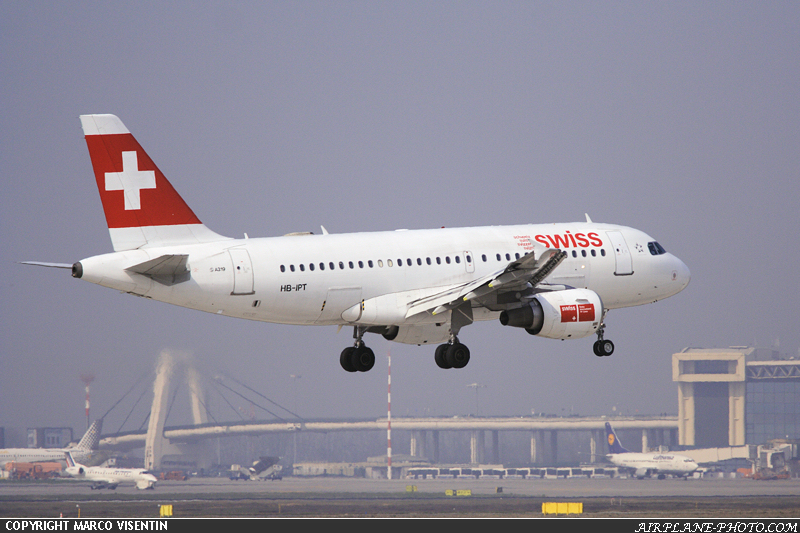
x=603, y=348
x=441, y=356
x=346, y=359
x=363, y=359
x=457, y=355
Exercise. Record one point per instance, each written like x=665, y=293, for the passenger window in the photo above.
x=574, y=253
x=361, y=264
x=283, y=268
x=380, y=263
x=341, y=265
x=333, y=267
x=458, y=259
x=447, y=259
x=322, y=266
x=351, y=265
x=311, y=267
x=603, y=252
x=438, y=260
x=583, y=253
x=419, y=261
x=428, y=260
x=498, y=257
x=369, y=263
x=483, y=256
x=594, y=253
x=302, y=268
x=389, y=263
x=291, y=267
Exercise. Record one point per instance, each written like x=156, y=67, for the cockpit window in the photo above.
x=655, y=248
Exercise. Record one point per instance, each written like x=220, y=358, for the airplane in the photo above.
x=649, y=463
x=88, y=443
x=110, y=478
x=412, y=286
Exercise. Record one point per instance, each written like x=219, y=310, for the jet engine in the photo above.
x=144, y=484
x=567, y=314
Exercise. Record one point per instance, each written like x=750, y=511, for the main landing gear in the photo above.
x=357, y=358
x=602, y=347
x=360, y=358
x=452, y=354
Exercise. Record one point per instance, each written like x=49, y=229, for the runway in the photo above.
x=553, y=488
x=330, y=496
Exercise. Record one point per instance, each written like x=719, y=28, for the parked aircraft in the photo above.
x=110, y=478
x=82, y=450
x=411, y=286
x=648, y=464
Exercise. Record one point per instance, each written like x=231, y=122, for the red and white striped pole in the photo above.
x=87, y=379
x=87, y=406
x=389, y=423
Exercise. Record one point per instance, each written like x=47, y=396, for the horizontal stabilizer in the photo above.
x=49, y=265
x=167, y=270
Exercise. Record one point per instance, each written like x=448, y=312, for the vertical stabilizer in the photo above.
x=142, y=208
x=614, y=445
x=91, y=439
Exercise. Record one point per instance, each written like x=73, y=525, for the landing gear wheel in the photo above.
x=457, y=355
x=603, y=348
x=363, y=358
x=346, y=359
x=440, y=356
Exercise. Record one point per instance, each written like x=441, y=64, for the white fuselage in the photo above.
x=373, y=278
x=645, y=464
x=143, y=479
x=39, y=455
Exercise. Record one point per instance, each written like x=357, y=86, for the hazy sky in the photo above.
x=681, y=119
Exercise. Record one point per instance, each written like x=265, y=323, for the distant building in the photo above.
x=49, y=437
x=736, y=396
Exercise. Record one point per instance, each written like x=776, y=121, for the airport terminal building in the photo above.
x=736, y=396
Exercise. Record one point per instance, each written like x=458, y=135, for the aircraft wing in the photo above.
x=527, y=270
x=104, y=483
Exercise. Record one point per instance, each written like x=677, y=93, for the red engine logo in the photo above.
x=577, y=313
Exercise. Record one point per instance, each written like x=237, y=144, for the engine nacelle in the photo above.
x=569, y=314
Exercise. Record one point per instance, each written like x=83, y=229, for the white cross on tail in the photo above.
x=131, y=180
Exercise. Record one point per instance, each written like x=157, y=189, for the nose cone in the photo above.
x=680, y=274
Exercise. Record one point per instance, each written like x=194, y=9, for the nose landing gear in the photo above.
x=602, y=347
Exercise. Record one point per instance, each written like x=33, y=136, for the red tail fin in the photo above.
x=141, y=206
